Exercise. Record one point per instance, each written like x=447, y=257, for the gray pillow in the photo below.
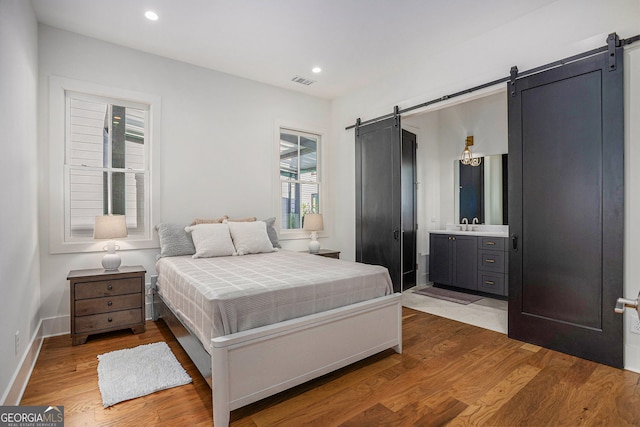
x=174, y=240
x=271, y=231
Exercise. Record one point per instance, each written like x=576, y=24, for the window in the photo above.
x=300, y=179
x=102, y=150
x=106, y=164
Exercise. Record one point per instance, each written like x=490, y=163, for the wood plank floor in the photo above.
x=450, y=373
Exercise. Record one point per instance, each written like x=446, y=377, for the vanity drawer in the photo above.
x=494, y=243
x=493, y=283
x=492, y=261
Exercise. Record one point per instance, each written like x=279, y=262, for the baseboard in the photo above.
x=53, y=326
x=423, y=269
x=631, y=352
x=20, y=379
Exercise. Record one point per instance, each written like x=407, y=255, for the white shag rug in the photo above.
x=134, y=372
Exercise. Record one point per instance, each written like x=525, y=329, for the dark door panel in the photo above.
x=566, y=209
x=465, y=262
x=440, y=259
x=378, y=197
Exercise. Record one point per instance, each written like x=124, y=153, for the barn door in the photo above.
x=566, y=208
x=378, y=197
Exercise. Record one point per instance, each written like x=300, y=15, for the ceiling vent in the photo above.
x=302, y=80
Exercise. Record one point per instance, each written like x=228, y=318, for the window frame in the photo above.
x=299, y=233
x=60, y=240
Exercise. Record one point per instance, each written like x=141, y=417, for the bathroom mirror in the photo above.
x=481, y=191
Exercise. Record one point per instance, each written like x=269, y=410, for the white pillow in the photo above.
x=211, y=240
x=250, y=237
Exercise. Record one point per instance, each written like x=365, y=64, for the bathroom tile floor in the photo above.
x=487, y=313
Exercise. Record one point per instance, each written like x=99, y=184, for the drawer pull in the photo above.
x=110, y=287
x=489, y=243
x=489, y=282
x=490, y=261
x=109, y=320
x=110, y=303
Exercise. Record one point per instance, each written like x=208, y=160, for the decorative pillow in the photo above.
x=250, y=237
x=174, y=240
x=271, y=231
x=208, y=221
x=248, y=219
x=211, y=240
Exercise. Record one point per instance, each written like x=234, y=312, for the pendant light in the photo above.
x=467, y=156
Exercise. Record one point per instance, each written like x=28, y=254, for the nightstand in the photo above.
x=329, y=253
x=103, y=301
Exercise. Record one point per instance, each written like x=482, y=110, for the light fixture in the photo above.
x=313, y=223
x=151, y=15
x=316, y=69
x=467, y=156
x=110, y=227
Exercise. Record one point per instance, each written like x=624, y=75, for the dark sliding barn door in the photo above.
x=566, y=209
x=378, y=197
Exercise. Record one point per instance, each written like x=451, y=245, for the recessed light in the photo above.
x=151, y=15
x=316, y=69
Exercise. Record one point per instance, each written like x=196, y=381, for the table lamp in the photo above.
x=313, y=223
x=110, y=227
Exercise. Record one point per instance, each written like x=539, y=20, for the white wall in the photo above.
x=444, y=133
x=19, y=253
x=631, y=198
x=561, y=29
x=216, y=144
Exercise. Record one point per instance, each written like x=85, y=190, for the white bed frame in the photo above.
x=251, y=365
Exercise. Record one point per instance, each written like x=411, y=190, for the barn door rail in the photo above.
x=613, y=42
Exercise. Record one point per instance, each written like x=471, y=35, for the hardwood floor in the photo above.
x=449, y=373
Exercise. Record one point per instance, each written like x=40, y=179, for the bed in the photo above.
x=258, y=324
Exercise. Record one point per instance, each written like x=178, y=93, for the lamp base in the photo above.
x=314, y=247
x=111, y=261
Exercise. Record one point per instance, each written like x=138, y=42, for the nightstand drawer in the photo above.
x=108, y=304
x=118, y=319
x=105, y=288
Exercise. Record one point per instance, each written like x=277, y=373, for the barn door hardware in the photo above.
x=613, y=42
x=512, y=80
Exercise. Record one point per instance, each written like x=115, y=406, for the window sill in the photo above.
x=98, y=246
x=299, y=235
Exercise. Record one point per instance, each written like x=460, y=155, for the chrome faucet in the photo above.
x=466, y=222
x=474, y=221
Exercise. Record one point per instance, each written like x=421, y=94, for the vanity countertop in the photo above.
x=477, y=230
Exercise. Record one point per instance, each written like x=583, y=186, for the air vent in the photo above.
x=302, y=80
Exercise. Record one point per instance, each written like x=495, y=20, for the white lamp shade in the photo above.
x=110, y=227
x=313, y=222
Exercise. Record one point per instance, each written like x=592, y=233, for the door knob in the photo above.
x=624, y=302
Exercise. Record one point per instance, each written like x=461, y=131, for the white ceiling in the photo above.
x=355, y=42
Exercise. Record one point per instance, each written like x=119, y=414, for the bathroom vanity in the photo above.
x=474, y=260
